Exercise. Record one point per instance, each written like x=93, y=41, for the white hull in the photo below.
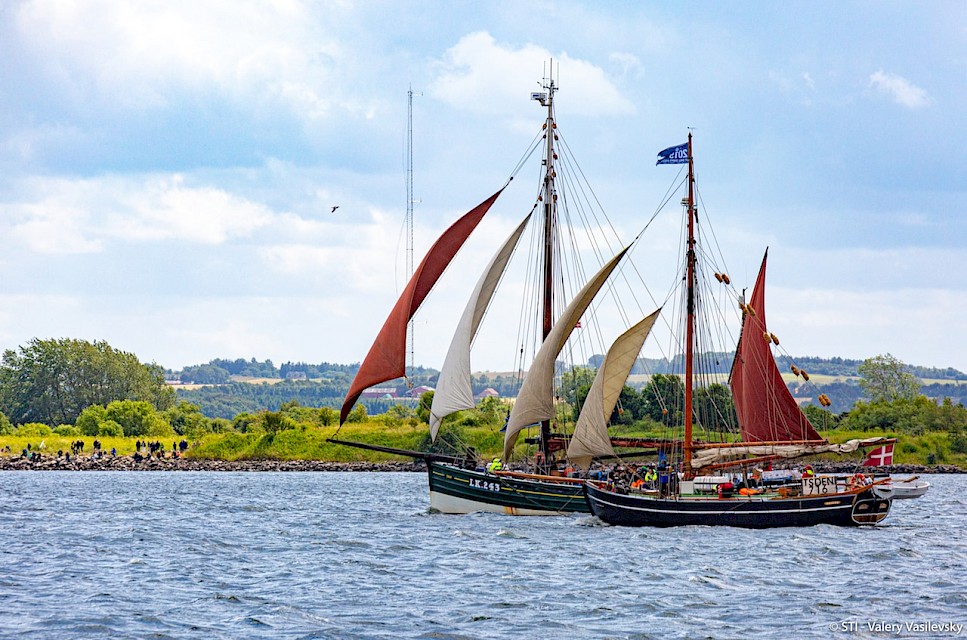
x=909, y=490
x=451, y=504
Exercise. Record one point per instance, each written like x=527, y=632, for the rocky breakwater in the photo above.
x=128, y=463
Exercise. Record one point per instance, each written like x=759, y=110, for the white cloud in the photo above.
x=144, y=55
x=60, y=215
x=489, y=78
x=903, y=92
x=164, y=209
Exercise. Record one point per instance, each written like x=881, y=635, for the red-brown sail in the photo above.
x=387, y=357
x=766, y=410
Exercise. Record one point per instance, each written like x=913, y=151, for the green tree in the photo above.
x=423, y=410
x=68, y=430
x=575, y=384
x=34, y=429
x=820, y=418
x=187, y=419
x=110, y=428
x=663, y=393
x=53, y=381
x=90, y=418
x=6, y=427
x=714, y=408
x=138, y=418
x=275, y=421
x=886, y=378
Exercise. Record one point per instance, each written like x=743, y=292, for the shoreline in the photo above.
x=128, y=463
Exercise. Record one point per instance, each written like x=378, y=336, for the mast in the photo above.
x=690, y=312
x=550, y=218
x=409, y=218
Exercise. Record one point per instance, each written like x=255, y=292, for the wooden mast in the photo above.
x=550, y=218
x=690, y=313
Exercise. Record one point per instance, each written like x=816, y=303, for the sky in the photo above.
x=168, y=168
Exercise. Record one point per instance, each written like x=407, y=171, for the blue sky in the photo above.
x=167, y=168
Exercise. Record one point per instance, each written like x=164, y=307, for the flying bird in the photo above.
x=334, y=209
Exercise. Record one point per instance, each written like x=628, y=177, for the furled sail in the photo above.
x=591, y=437
x=535, y=400
x=766, y=410
x=720, y=455
x=387, y=357
x=453, y=391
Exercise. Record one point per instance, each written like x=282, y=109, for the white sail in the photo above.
x=535, y=401
x=453, y=391
x=591, y=437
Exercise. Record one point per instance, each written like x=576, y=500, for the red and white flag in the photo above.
x=880, y=457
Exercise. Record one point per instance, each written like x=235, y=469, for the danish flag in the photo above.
x=880, y=457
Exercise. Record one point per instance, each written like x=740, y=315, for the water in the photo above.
x=357, y=555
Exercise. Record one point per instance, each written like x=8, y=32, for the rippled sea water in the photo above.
x=358, y=555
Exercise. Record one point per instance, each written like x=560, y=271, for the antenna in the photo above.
x=409, y=216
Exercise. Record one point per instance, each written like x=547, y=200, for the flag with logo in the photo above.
x=674, y=155
x=880, y=456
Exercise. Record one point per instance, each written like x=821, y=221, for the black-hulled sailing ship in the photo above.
x=460, y=483
x=771, y=427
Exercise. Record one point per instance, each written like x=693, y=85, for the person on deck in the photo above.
x=808, y=472
x=651, y=478
x=495, y=465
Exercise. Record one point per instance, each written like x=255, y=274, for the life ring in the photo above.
x=857, y=480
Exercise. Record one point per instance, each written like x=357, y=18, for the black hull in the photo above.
x=756, y=513
x=457, y=490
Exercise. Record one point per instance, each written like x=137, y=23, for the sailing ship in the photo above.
x=771, y=427
x=460, y=484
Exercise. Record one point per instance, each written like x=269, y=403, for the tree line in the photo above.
x=74, y=387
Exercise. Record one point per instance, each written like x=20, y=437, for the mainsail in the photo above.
x=766, y=410
x=387, y=357
x=454, y=391
x=535, y=400
x=591, y=437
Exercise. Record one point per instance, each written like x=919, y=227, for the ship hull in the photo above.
x=457, y=490
x=865, y=508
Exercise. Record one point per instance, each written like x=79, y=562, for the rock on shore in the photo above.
x=127, y=463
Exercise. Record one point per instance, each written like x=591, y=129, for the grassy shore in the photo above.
x=309, y=443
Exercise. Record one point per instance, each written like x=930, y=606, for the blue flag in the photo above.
x=674, y=155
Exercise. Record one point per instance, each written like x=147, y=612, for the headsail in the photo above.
x=535, y=400
x=387, y=357
x=453, y=391
x=591, y=437
x=766, y=410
